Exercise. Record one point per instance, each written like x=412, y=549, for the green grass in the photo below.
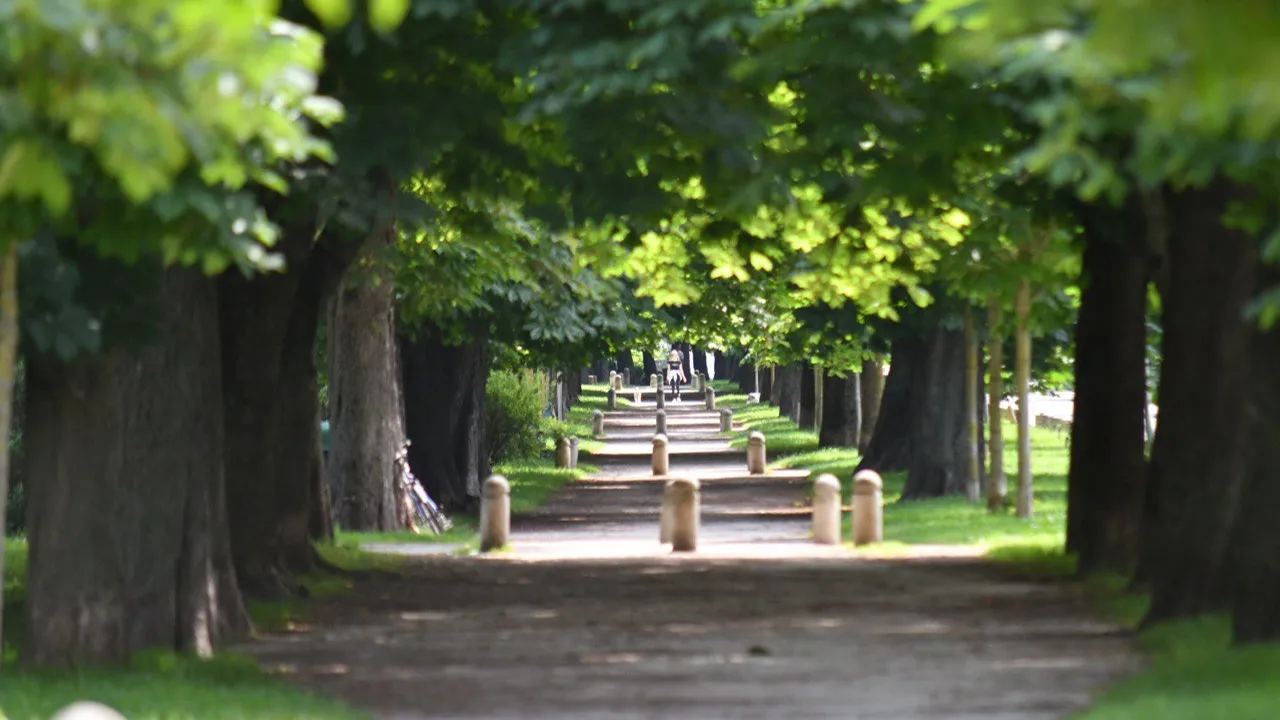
x=163, y=685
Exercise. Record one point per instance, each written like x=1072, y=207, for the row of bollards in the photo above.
x=567, y=453
x=867, y=514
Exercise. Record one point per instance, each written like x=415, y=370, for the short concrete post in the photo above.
x=726, y=420
x=573, y=453
x=660, y=422
x=661, y=459
x=686, y=509
x=612, y=374
x=653, y=380
x=710, y=397
x=613, y=399
x=868, y=508
x=564, y=453
x=597, y=423
x=826, y=510
x=495, y=513
x=693, y=382
x=662, y=398
x=591, y=379
x=635, y=396
x=87, y=710
x=617, y=382
x=755, y=453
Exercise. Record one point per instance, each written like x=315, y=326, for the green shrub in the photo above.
x=513, y=415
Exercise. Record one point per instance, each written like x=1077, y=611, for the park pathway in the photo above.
x=589, y=617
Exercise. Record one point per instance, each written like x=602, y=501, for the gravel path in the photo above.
x=588, y=617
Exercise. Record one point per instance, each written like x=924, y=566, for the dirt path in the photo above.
x=589, y=617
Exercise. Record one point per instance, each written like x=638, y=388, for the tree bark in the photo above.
x=128, y=544
x=1256, y=616
x=8, y=374
x=939, y=457
x=1022, y=378
x=871, y=390
x=766, y=384
x=722, y=365
x=787, y=391
x=808, y=397
x=650, y=365
x=699, y=361
x=997, y=481
x=1199, y=455
x=973, y=474
x=889, y=448
x=271, y=401
x=1108, y=461
x=366, y=429
x=444, y=390
x=840, y=411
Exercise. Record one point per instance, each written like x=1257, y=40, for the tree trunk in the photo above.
x=808, y=397
x=722, y=366
x=889, y=449
x=973, y=475
x=1199, y=456
x=365, y=425
x=8, y=372
x=939, y=454
x=1022, y=378
x=699, y=361
x=128, y=543
x=997, y=481
x=870, y=392
x=787, y=391
x=625, y=365
x=650, y=365
x=444, y=390
x=271, y=401
x=1108, y=462
x=840, y=411
x=766, y=384
x=1257, y=594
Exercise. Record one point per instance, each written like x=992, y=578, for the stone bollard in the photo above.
x=693, y=382
x=613, y=399
x=755, y=453
x=662, y=398
x=573, y=453
x=495, y=513
x=87, y=710
x=653, y=380
x=635, y=396
x=660, y=422
x=826, y=510
x=868, y=508
x=597, y=423
x=563, y=453
x=612, y=374
x=710, y=397
x=726, y=420
x=686, y=509
x=617, y=382
x=591, y=379
x=661, y=459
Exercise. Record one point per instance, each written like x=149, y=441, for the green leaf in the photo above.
x=333, y=13
x=386, y=15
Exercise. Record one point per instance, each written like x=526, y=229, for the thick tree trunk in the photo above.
x=1200, y=448
x=129, y=545
x=1022, y=378
x=8, y=375
x=625, y=365
x=365, y=423
x=808, y=397
x=766, y=384
x=650, y=365
x=973, y=437
x=699, y=362
x=841, y=411
x=889, y=449
x=997, y=481
x=939, y=454
x=722, y=365
x=271, y=399
x=1257, y=542
x=1108, y=463
x=787, y=390
x=444, y=390
x=871, y=391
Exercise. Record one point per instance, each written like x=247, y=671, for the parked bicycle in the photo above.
x=424, y=512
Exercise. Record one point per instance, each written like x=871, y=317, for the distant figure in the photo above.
x=675, y=371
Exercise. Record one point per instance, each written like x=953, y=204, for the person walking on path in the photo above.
x=675, y=371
